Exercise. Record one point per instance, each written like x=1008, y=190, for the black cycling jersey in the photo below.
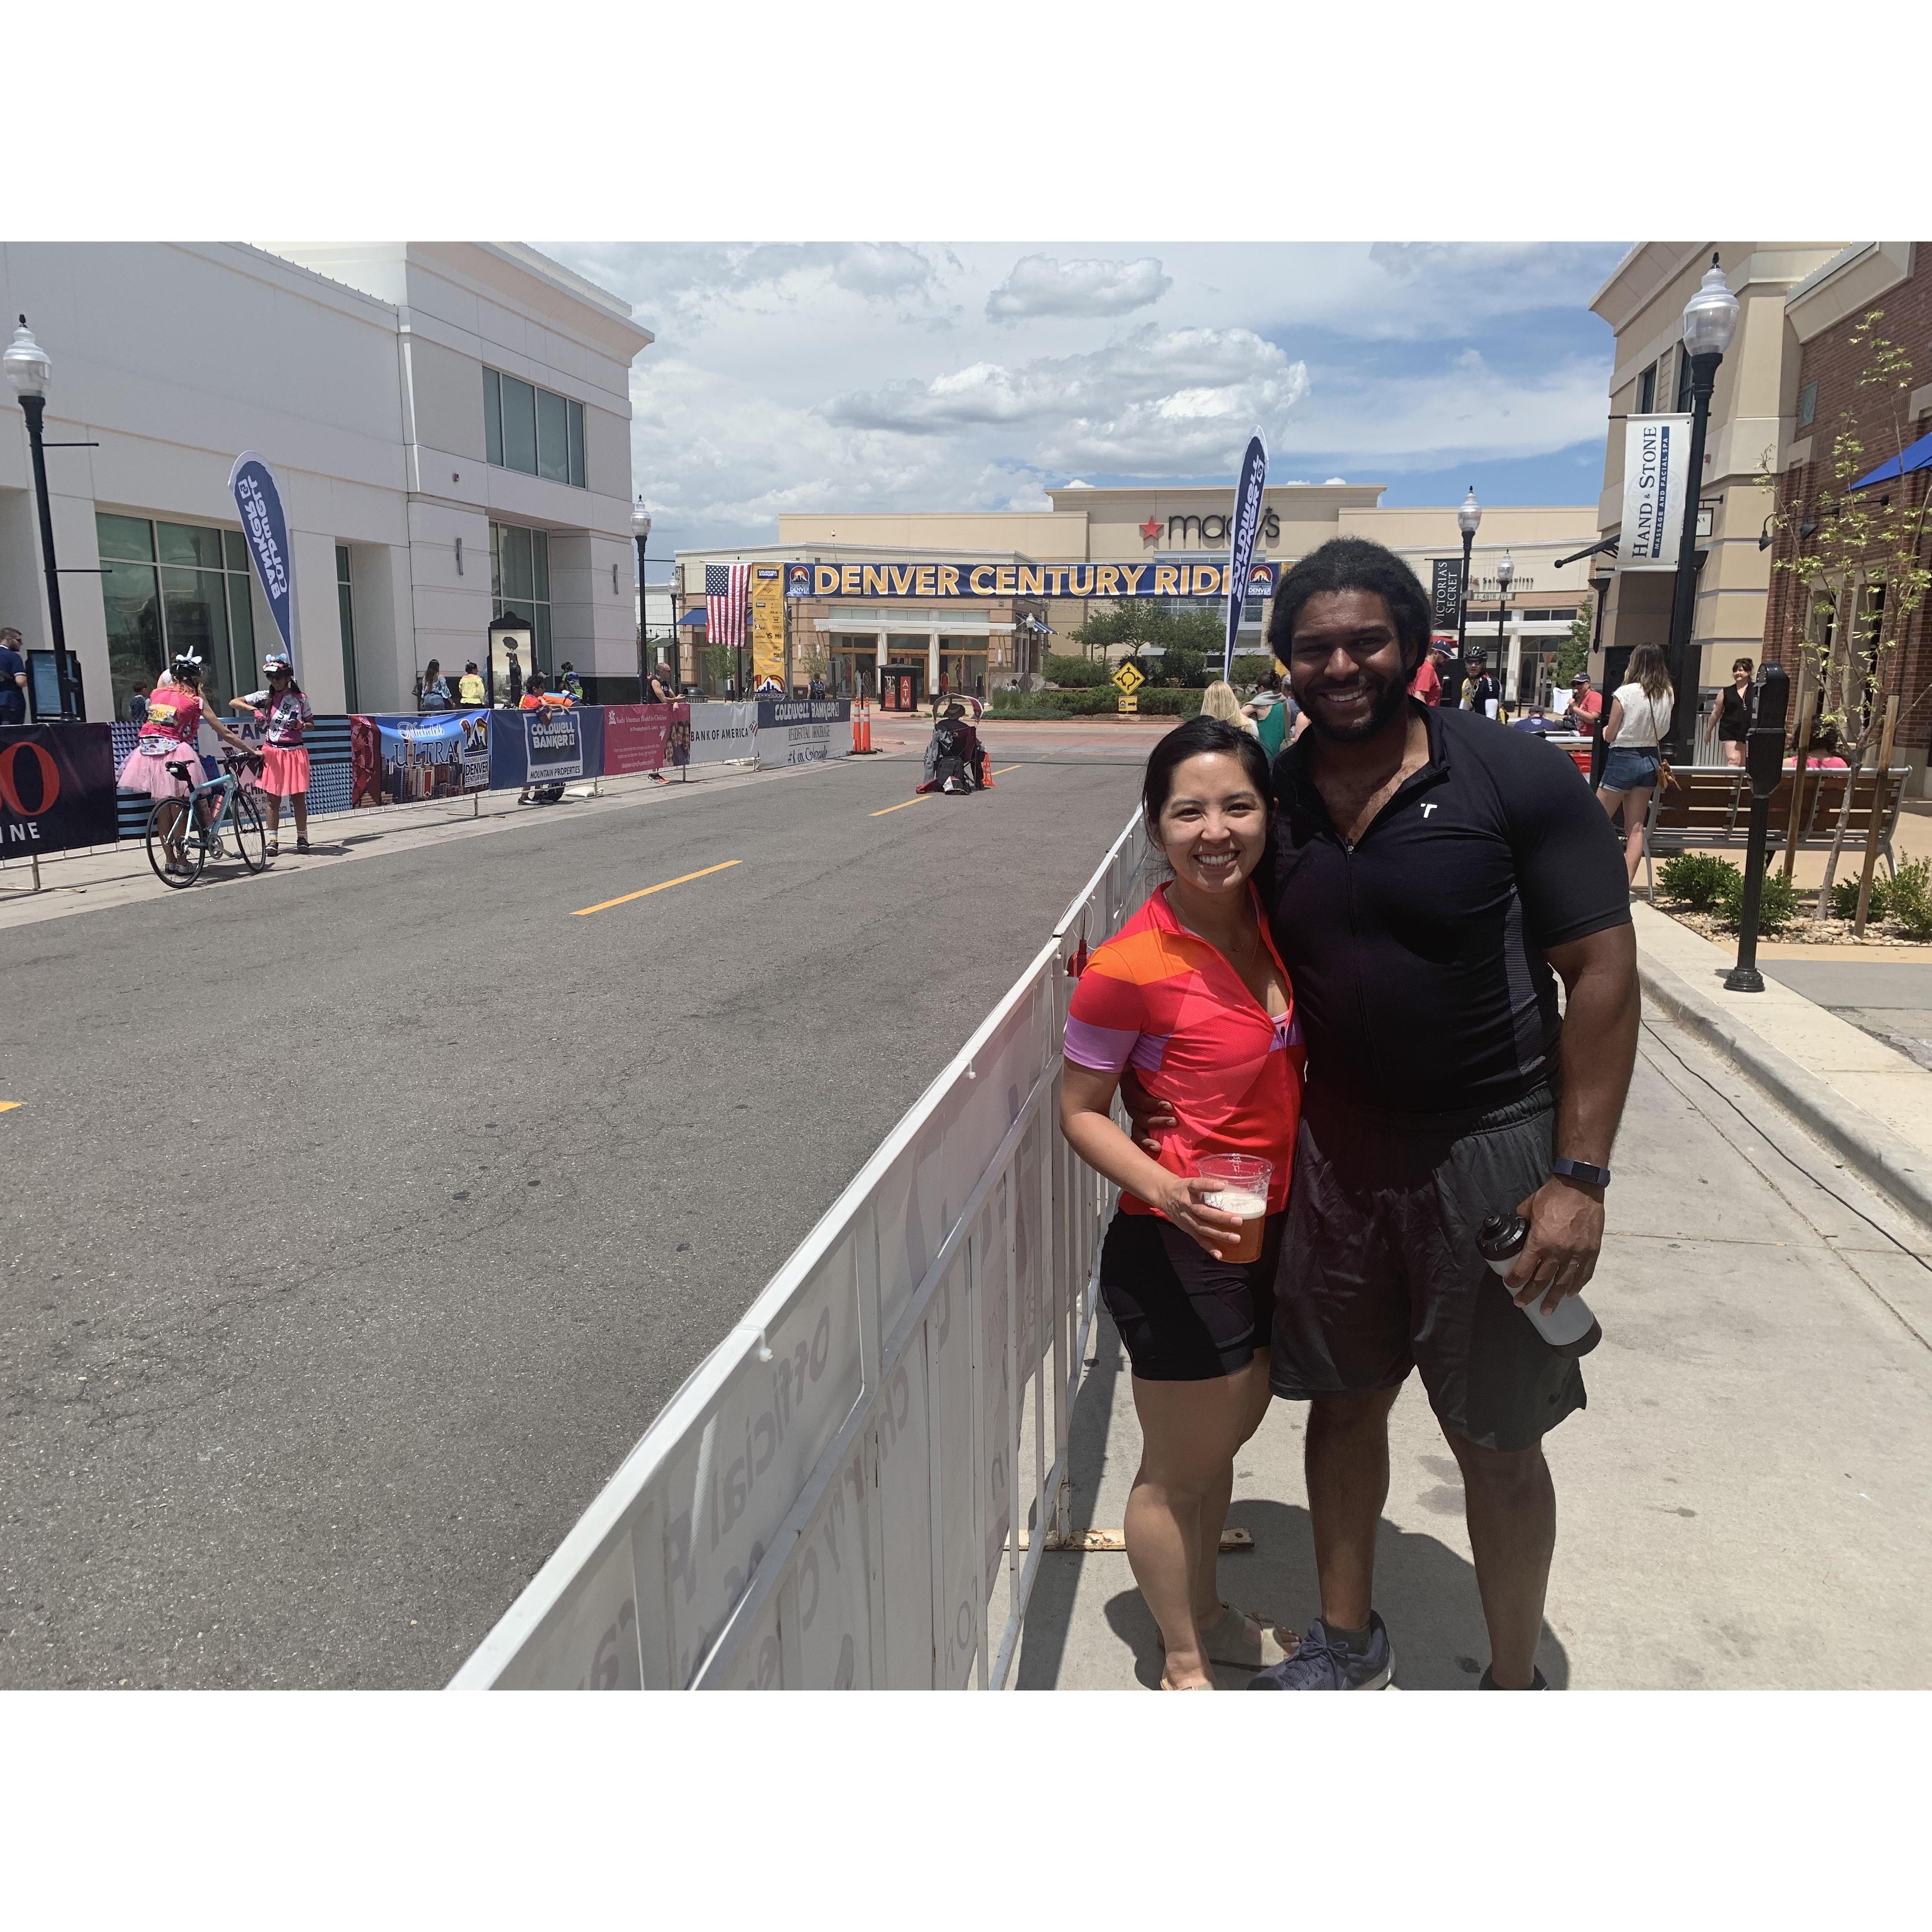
x=1417, y=955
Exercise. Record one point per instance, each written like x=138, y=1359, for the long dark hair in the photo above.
x=1191, y=740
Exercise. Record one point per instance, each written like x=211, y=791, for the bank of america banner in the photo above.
x=1656, y=451
x=1246, y=524
x=264, y=526
x=940, y=582
x=1445, y=591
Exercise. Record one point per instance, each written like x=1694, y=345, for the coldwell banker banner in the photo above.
x=1656, y=456
x=265, y=525
x=1246, y=523
x=940, y=582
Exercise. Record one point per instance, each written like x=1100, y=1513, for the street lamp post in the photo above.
x=1601, y=586
x=1467, y=520
x=1505, y=576
x=1710, y=318
x=640, y=529
x=29, y=370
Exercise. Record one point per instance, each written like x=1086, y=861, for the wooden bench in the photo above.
x=1706, y=806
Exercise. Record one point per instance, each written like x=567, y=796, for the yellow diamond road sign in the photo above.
x=1128, y=679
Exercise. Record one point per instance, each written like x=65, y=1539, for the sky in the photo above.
x=920, y=376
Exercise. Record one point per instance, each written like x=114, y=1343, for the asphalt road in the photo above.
x=359, y=1220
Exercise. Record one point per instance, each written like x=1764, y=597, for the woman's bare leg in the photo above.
x=1636, y=811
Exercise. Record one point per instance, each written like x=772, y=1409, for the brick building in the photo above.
x=1824, y=309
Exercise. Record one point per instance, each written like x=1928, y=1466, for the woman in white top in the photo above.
x=1640, y=714
x=1219, y=701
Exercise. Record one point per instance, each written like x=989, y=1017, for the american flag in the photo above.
x=727, y=587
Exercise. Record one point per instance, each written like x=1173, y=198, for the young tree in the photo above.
x=1573, y=654
x=1856, y=556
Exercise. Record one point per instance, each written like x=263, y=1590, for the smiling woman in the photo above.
x=1193, y=994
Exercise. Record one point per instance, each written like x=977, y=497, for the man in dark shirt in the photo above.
x=1432, y=867
x=13, y=679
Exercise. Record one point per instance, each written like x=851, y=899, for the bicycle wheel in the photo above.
x=250, y=836
x=168, y=817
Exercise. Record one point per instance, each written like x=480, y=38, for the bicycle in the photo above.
x=179, y=852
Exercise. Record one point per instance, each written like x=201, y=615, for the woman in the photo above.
x=1640, y=714
x=1731, y=713
x=1823, y=753
x=168, y=734
x=1192, y=991
x=433, y=694
x=1219, y=701
x=285, y=714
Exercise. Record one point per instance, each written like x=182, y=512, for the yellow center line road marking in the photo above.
x=583, y=912
x=8, y=1106
x=998, y=771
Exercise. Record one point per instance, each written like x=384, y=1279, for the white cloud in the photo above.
x=1160, y=402
x=1042, y=285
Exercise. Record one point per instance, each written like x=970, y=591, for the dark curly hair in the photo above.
x=1353, y=563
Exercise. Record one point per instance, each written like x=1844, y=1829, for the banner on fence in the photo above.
x=767, y=623
x=804, y=731
x=1656, y=455
x=721, y=732
x=637, y=737
x=56, y=788
x=403, y=758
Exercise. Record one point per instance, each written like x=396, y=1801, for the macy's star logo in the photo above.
x=1151, y=530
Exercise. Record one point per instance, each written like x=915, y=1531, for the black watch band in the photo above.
x=1580, y=1170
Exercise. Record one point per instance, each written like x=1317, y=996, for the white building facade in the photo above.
x=449, y=423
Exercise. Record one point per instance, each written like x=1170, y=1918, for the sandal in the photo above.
x=1245, y=1642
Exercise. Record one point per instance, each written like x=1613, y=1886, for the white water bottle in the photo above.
x=1572, y=1329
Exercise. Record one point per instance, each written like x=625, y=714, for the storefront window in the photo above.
x=346, y=610
x=171, y=590
x=532, y=430
x=520, y=582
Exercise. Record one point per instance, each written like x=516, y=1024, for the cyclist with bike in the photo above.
x=285, y=714
x=175, y=712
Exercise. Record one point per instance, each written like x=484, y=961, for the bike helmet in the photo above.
x=278, y=660
x=187, y=666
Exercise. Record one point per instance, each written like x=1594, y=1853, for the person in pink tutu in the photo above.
x=175, y=714
x=285, y=716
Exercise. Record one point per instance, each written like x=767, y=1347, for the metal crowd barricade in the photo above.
x=829, y=1500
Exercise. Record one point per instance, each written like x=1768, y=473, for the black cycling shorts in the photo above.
x=1379, y=1272
x=1184, y=1316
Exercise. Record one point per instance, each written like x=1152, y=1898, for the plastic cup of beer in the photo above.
x=1241, y=1182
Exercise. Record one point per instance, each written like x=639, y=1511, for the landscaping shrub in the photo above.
x=1089, y=703
x=1777, y=905
x=1697, y=880
x=1909, y=899
x=1845, y=899
x=1073, y=674
x=1171, y=703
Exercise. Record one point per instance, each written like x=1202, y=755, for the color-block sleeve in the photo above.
x=1104, y=1022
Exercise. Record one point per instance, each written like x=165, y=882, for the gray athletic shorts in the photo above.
x=1379, y=1272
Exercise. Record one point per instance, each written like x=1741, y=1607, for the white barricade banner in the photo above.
x=720, y=733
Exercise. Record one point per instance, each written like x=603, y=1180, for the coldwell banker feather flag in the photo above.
x=1246, y=524
x=259, y=503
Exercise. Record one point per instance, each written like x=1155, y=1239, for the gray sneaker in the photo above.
x=1320, y=1662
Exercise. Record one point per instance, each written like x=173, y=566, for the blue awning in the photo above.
x=1914, y=456
x=692, y=617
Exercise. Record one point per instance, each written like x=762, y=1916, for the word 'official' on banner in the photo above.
x=936, y=582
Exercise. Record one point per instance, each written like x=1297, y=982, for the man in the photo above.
x=13, y=679
x=1431, y=869
x=1586, y=704
x=1426, y=684
x=1480, y=690
x=1535, y=719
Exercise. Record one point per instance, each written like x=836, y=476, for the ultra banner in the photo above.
x=1246, y=521
x=1657, y=453
x=56, y=788
x=265, y=526
x=939, y=582
x=404, y=758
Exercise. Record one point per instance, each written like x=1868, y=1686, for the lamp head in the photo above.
x=1470, y=514
x=1711, y=316
x=640, y=520
x=1505, y=571
x=28, y=368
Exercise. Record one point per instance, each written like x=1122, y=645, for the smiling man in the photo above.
x=1431, y=868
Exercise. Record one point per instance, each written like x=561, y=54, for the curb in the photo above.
x=1895, y=1168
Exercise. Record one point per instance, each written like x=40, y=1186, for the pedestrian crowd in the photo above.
x=1368, y=1137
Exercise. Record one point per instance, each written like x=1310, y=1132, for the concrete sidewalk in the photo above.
x=1742, y=1505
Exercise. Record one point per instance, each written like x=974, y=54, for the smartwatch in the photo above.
x=1580, y=1170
